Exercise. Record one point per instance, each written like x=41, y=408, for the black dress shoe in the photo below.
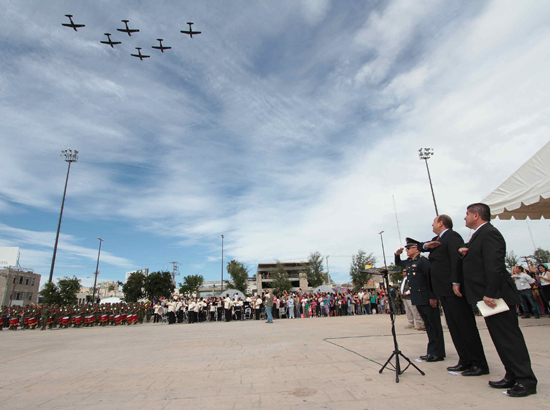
x=425, y=357
x=519, y=390
x=502, y=384
x=434, y=358
x=459, y=367
x=476, y=371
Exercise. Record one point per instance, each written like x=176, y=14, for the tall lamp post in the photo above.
x=425, y=154
x=70, y=157
x=97, y=269
x=328, y=274
x=221, y=291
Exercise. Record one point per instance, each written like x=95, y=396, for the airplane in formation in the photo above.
x=127, y=30
x=109, y=41
x=74, y=26
x=161, y=47
x=190, y=32
x=139, y=55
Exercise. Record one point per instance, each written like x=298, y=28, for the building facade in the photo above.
x=296, y=274
x=18, y=287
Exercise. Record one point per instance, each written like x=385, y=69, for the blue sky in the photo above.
x=287, y=126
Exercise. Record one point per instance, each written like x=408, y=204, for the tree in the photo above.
x=191, y=284
x=50, y=293
x=315, y=275
x=541, y=256
x=511, y=259
x=239, y=276
x=134, y=287
x=111, y=288
x=159, y=284
x=356, y=270
x=280, y=282
x=396, y=273
x=68, y=288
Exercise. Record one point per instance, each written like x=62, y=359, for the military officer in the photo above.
x=417, y=269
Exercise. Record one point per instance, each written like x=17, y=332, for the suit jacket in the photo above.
x=484, y=269
x=445, y=263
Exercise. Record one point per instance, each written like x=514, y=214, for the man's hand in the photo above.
x=399, y=251
x=463, y=251
x=433, y=303
x=456, y=290
x=489, y=302
x=432, y=244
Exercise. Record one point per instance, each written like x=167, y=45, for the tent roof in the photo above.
x=526, y=193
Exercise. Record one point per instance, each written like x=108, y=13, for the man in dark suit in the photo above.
x=446, y=272
x=486, y=279
x=417, y=270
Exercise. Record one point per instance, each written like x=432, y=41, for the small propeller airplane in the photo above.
x=161, y=47
x=74, y=26
x=109, y=41
x=139, y=55
x=190, y=32
x=127, y=30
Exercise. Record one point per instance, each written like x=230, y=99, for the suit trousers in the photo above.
x=511, y=348
x=462, y=326
x=432, y=321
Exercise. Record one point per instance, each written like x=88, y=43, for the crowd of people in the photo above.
x=288, y=305
x=64, y=316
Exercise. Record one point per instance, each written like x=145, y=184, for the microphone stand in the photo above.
x=396, y=352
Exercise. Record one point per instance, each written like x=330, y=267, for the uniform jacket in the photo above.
x=418, y=273
x=484, y=270
x=445, y=263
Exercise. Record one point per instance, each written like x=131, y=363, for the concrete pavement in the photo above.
x=250, y=365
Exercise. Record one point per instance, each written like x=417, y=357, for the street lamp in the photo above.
x=97, y=268
x=328, y=274
x=70, y=157
x=425, y=154
x=221, y=291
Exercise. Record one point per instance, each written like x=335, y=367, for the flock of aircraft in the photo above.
x=129, y=31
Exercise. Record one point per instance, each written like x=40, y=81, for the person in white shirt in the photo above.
x=227, y=307
x=290, y=307
x=523, y=283
x=257, y=307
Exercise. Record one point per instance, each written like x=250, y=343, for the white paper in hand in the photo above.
x=487, y=311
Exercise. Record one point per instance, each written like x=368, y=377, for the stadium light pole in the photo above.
x=221, y=291
x=70, y=157
x=97, y=269
x=425, y=154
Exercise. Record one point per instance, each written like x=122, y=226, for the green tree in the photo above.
x=68, y=288
x=315, y=275
x=511, y=259
x=134, y=287
x=280, y=282
x=239, y=276
x=541, y=256
x=159, y=284
x=191, y=284
x=357, y=268
x=50, y=293
x=111, y=288
x=396, y=273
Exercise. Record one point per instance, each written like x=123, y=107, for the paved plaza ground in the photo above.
x=250, y=365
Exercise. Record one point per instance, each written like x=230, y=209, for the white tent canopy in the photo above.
x=525, y=194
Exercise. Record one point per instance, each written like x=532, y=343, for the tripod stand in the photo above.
x=396, y=352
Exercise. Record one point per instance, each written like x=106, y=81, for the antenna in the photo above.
x=175, y=271
x=396, y=220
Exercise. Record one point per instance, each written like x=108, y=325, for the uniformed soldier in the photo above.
x=418, y=270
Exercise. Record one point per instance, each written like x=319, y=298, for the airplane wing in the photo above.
x=133, y=30
x=186, y=32
x=195, y=32
x=79, y=25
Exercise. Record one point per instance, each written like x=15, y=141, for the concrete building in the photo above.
x=213, y=288
x=296, y=273
x=18, y=287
